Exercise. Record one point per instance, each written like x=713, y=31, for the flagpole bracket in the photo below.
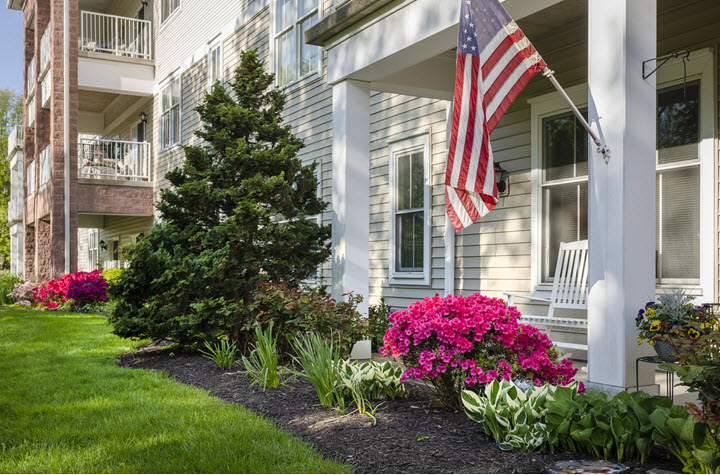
x=605, y=151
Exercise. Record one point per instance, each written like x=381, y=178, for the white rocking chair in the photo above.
x=569, y=291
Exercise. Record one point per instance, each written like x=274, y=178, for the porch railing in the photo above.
x=114, y=159
x=116, y=35
x=15, y=139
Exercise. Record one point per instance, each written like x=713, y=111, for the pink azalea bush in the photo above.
x=80, y=287
x=459, y=342
x=23, y=293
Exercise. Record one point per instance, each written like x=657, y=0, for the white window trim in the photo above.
x=419, y=140
x=301, y=80
x=177, y=75
x=216, y=43
x=169, y=19
x=700, y=68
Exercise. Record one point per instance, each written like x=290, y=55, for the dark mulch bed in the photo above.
x=412, y=435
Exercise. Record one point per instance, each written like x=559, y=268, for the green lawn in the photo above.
x=65, y=406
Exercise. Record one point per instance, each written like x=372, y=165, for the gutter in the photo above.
x=66, y=125
x=344, y=17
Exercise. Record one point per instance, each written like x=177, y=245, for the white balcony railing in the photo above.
x=45, y=156
x=114, y=159
x=15, y=139
x=15, y=206
x=31, y=76
x=116, y=35
x=45, y=51
x=30, y=182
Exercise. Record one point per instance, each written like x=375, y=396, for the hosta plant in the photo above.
x=374, y=380
x=459, y=342
x=675, y=429
x=224, y=353
x=513, y=417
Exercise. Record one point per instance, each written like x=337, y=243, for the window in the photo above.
x=564, y=186
x=215, y=65
x=30, y=179
x=167, y=8
x=293, y=58
x=678, y=185
x=410, y=210
x=45, y=166
x=93, y=248
x=684, y=178
x=170, y=117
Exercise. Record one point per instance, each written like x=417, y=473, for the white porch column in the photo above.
x=622, y=34
x=351, y=190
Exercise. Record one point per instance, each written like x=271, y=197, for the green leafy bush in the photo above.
x=296, y=311
x=689, y=441
x=319, y=359
x=514, y=418
x=223, y=353
x=378, y=323
x=8, y=282
x=234, y=215
x=112, y=276
x=262, y=363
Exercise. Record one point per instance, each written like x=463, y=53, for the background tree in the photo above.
x=236, y=214
x=10, y=115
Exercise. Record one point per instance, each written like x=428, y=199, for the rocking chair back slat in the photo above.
x=570, y=284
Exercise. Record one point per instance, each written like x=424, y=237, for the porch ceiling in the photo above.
x=94, y=101
x=100, y=6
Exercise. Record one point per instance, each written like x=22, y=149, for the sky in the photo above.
x=11, y=48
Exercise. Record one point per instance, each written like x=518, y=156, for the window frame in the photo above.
x=416, y=141
x=700, y=69
x=299, y=42
x=215, y=44
x=93, y=251
x=165, y=85
x=172, y=14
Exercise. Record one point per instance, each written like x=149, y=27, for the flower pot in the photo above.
x=665, y=351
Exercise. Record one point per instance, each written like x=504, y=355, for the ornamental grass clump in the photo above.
x=223, y=353
x=459, y=342
x=262, y=363
x=319, y=359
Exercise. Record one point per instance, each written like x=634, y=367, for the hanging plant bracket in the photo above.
x=685, y=54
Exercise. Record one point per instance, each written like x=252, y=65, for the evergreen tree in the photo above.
x=236, y=214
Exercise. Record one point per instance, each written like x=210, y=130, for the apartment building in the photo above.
x=370, y=85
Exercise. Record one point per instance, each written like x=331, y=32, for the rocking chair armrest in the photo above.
x=512, y=297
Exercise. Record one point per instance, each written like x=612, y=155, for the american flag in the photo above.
x=495, y=62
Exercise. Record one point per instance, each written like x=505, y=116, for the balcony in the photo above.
x=15, y=140
x=119, y=36
x=117, y=160
x=115, y=55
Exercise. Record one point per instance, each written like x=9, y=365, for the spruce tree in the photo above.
x=236, y=214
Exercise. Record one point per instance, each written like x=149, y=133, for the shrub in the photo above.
x=378, y=322
x=80, y=287
x=296, y=311
x=234, y=215
x=112, y=276
x=319, y=359
x=459, y=342
x=23, y=293
x=223, y=353
x=8, y=281
x=262, y=364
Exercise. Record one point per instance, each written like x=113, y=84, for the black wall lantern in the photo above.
x=503, y=181
x=143, y=118
x=139, y=237
x=102, y=245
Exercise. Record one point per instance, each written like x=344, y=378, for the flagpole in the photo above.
x=602, y=148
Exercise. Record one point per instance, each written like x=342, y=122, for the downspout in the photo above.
x=449, y=230
x=66, y=125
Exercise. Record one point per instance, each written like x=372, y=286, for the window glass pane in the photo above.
x=284, y=14
x=404, y=191
x=678, y=124
x=310, y=53
x=419, y=240
x=418, y=180
x=410, y=231
x=175, y=127
x=565, y=219
x=678, y=223
x=286, y=58
x=306, y=6
x=564, y=147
